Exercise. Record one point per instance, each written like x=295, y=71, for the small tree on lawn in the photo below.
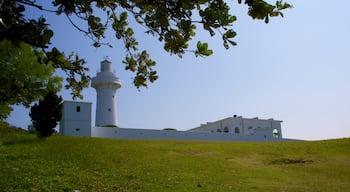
x=46, y=114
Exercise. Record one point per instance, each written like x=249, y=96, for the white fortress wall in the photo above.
x=123, y=133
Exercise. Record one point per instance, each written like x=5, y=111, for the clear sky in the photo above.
x=295, y=69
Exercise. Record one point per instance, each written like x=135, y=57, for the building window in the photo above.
x=218, y=130
x=226, y=129
x=78, y=109
x=109, y=109
x=251, y=130
x=237, y=130
x=77, y=129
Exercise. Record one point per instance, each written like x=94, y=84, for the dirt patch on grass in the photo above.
x=290, y=161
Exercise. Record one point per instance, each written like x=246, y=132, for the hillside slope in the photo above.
x=62, y=163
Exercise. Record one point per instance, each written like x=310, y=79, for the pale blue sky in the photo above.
x=294, y=69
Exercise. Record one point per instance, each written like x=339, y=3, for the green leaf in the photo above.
x=138, y=20
x=232, y=42
x=202, y=49
x=123, y=16
x=129, y=32
x=46, y=36
x=97, y=45
x=226, y=45
x=230, y=34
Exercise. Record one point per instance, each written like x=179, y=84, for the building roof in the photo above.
x=236, y=117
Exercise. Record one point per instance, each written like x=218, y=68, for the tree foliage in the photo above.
x=23, y=79
x=173, y=22
x=46, y=114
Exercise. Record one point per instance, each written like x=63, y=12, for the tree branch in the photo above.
x=76, y=26
x=31, y=3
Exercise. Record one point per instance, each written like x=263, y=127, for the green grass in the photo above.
x=62, y=163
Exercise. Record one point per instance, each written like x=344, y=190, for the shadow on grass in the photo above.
x=13, y=140
x=289, y=161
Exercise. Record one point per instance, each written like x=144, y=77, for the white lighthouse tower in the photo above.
x=106, y=84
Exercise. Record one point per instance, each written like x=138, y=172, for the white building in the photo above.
x=76, y=120
x=268, y=128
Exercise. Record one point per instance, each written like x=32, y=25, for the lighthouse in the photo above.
x=106, y=84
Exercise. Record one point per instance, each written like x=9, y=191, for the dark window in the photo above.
x=226, y=129
x=250, y=129
x=78, y=108
x=77, y=129
x=237, y=130
x=109, y=109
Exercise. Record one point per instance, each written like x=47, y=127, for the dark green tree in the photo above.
x=172, y=22
x=46, y=114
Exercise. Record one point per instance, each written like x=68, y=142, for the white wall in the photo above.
x=76, y=121
x=76, y=118
x=122, y=133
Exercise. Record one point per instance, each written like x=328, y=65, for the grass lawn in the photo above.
x=62, y=163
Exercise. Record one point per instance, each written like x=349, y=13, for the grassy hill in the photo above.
x=62, y=163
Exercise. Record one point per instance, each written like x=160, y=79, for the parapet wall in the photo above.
x=122, y=133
